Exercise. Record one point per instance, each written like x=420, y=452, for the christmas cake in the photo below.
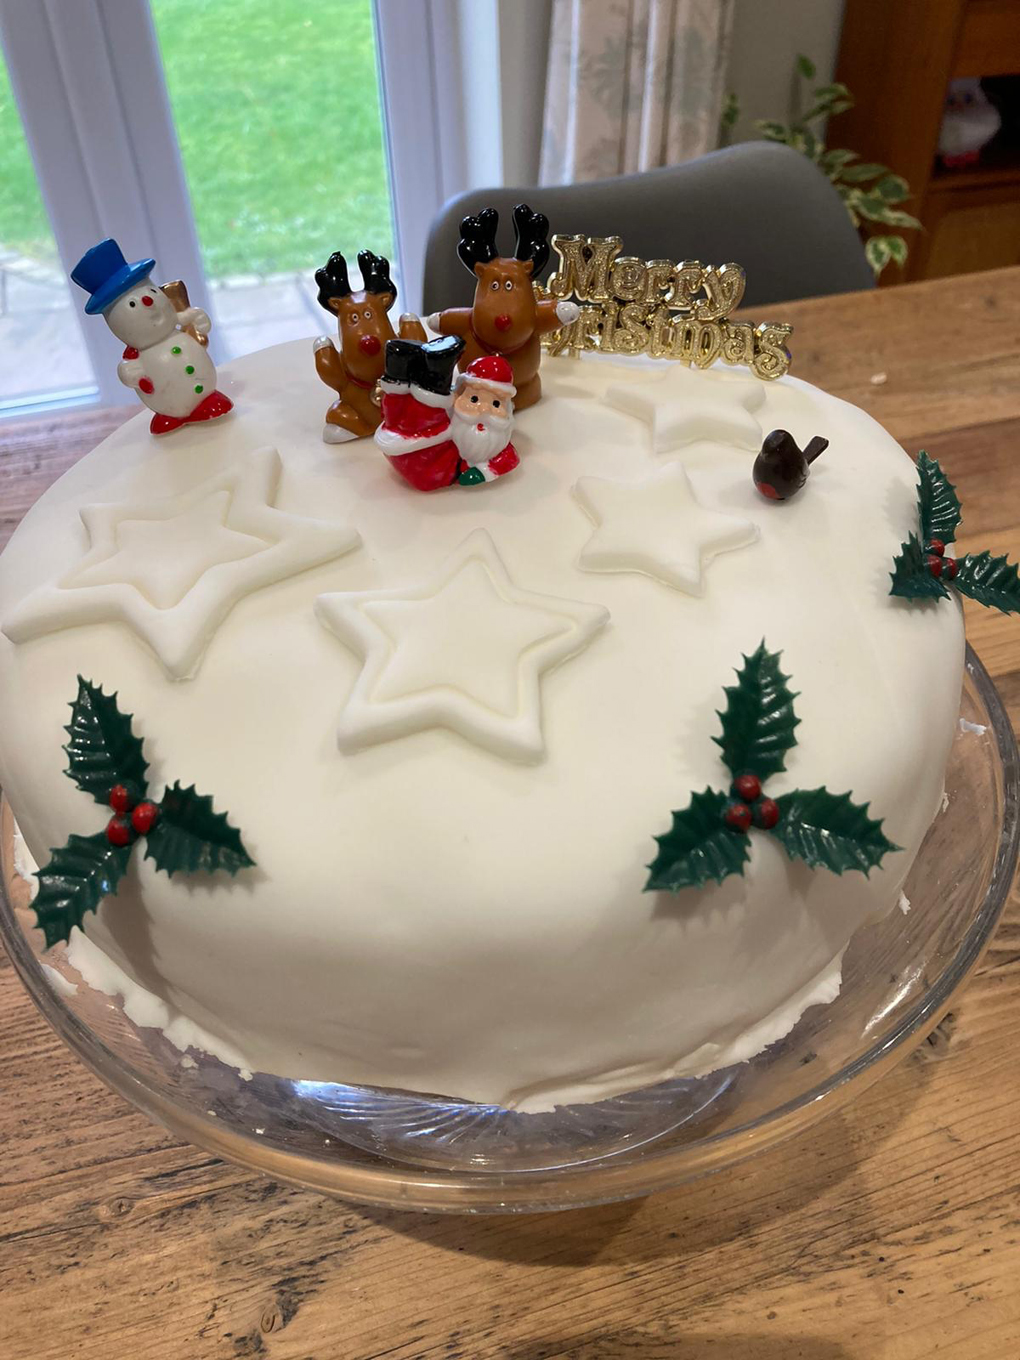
x=573, y=773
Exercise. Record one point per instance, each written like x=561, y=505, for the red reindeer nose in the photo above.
x=503, y=322
x=369, y=344
x=146, y=301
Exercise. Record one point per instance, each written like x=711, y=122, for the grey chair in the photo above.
x=760, y=204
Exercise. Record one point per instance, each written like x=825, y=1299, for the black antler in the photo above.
x=531, y=232
x=332, y=280
x=477, y=243
x=375, y=272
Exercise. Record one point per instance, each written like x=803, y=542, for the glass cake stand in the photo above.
x=412, y=1152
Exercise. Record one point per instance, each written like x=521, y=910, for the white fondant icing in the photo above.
x=682, y=407
x=172, y=568
x=465, y=649
x=425, y=916
x=655, y=525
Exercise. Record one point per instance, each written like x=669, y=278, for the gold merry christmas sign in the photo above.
x=669, y=311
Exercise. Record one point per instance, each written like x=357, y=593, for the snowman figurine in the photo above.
x=168, y=367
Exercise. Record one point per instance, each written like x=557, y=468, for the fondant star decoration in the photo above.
x=656, y=525
x=172, y=568
x=681, y=407
x=465, y=649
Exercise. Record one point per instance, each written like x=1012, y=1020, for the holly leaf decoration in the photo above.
x=698, y=846
x=938, y=506
x=79, y=875
x=758, y=724
x=190, y=836
x=990, y=580
x=829, y=831
x=102, y=750
x=911, y=578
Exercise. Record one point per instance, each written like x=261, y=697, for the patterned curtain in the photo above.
x=632, y=84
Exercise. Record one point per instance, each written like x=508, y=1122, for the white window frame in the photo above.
x=89, y=82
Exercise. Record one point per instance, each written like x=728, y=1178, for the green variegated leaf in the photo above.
x=806, y=68
x=859, y=174
x=698, y=846
x=897, y=248
x=993, y=581
x=771, y=130
x=75, y=881
x=191, y=837
x=102, y=750
x=895, y=217
x=893, y=188
x=877, y=253
x=911, y=579
x=758, y=723
x=832, y=162
x=829, y=831
x=938, y=505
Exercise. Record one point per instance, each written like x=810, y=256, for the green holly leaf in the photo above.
x=829, y=831
x=757, y=727
x=993, y=581
x=103, y=750
x=911, y=579
x=938, y=505
x=77, y=878
x=698, y=846
x=190, y=836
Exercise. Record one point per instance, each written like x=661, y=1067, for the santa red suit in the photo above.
x=416, y=401
x=429, y=443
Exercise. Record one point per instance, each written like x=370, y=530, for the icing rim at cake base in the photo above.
x=147, y=1011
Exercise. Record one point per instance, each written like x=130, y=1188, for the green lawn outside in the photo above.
x=276, y=104
x=23, y=223
x=277, y=110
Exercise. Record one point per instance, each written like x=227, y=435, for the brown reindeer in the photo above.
x=364, y=327
x=506, y=318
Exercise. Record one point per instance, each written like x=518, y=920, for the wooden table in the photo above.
x=892, y=1230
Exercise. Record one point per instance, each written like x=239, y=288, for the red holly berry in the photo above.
x=950, y=567
x=937, y=547
x=121, y=799
x=119, y=832
x=144, y=817
x=747, y=787
x=737, y=816
x=766, y=813
x=934, y=564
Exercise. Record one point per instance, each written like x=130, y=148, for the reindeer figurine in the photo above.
x=506, y=317
x=364, y=327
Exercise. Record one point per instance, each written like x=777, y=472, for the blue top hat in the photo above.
x=104, y=272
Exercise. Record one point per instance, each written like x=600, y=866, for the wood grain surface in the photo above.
x=889, y=1232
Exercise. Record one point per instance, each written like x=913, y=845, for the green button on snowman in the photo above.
x=166, y=365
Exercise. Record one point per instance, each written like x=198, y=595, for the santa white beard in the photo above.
x=477, y=445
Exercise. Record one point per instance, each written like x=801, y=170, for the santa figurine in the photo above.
x=164, y=359
x=435, y=437
x=483, y=420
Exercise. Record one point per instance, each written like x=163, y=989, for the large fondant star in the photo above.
x=173, y=567
x=464, y=649
x=656, y=525
x=681, y=407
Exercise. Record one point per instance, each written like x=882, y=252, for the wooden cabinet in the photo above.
x=897, y=57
